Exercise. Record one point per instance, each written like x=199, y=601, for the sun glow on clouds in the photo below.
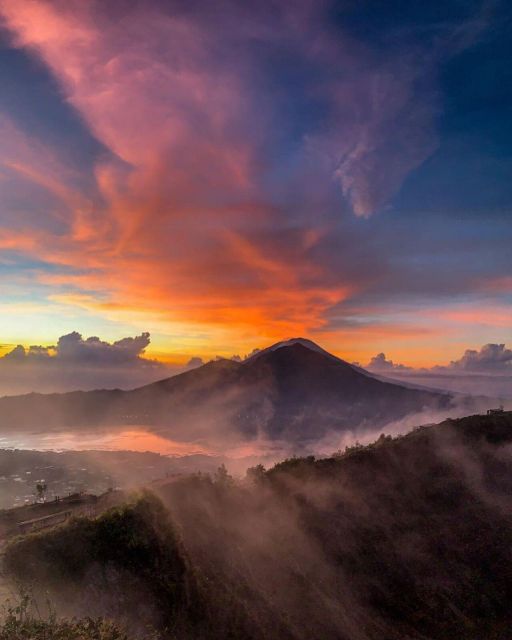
x=184, y=229
x=162, y=242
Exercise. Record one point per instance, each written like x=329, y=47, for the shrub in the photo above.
x=21, y=624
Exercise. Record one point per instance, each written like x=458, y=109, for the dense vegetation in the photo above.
x=21, y=624
x=127, y=560
x=410, y=537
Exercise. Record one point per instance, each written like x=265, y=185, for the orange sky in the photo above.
x=173, y=186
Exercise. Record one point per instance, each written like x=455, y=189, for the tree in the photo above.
x=256, y=474
x=41, y=491
x=222, y=477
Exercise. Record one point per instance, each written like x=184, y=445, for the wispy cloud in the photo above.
x=238, y=142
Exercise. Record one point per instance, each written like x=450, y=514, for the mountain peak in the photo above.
x=291, y=342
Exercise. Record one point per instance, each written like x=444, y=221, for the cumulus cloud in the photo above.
x=73, y=349
x=486, y=371
x=380, y=363
x=33, y=353
x=490, y=358
x=17, y=354
x=194, y=362
x=76, y=362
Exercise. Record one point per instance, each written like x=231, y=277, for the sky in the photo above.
x=205, y=178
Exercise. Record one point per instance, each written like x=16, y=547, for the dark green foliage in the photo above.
x=134, y=549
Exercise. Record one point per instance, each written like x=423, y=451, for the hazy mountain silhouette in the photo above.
x=293, y=390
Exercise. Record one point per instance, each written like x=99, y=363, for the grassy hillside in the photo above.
x=407, y=538
x=20, y=624
x=127, y=563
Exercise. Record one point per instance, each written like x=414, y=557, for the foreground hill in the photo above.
x=293, y=390
x=408, y=538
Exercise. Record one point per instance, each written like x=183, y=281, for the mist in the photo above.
x=368, y=544
x=476, y=384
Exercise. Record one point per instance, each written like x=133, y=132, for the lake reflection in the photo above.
x=132, y=439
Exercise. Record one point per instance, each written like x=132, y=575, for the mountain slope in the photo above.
x=290, y=391
x=405, y=538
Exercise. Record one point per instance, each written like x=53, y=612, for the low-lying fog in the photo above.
x=142, y=438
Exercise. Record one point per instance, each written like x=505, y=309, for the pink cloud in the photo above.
x=152, y=89
x=183, y=222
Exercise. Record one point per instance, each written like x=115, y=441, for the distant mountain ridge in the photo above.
x=293, y=390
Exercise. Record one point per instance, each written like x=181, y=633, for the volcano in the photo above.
x=293, y=390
